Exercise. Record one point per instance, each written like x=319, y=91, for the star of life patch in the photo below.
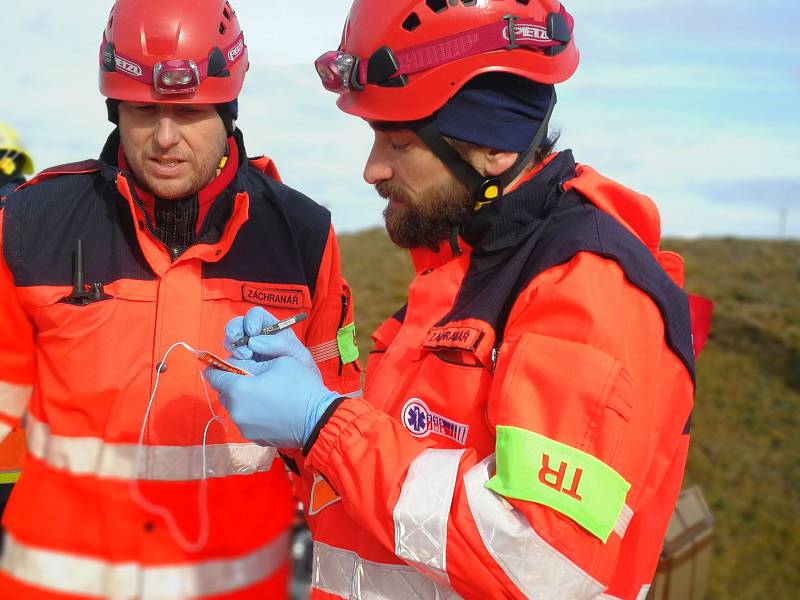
x=421, y=422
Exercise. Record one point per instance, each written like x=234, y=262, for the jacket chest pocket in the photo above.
x=445, y=397
x=566, y=391
x=100, y=321
x=88, y=351
x=225, y=299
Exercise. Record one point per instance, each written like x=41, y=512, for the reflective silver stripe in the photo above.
x=345, y=574
x=642, y=595
x=356, y=394
x=325, y=351
x=14, y=398
x=73, y=574
x=537, y=569
x=423, y=510
x=94, y=456
x=623, y=521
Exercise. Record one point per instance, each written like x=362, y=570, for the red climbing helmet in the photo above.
x=182, y=51
x=403, y=60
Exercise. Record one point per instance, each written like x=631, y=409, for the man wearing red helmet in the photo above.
x=115, y=276
x=525, y=418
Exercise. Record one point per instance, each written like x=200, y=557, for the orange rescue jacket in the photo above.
x=12, y=441
x=524, y=425
x=83, y=377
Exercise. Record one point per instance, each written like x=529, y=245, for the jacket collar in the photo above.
x=504, y=223
x=426, y=260
x=226, y=216
x=216, y=216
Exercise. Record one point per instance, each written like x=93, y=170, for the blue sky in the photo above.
x=693, y=103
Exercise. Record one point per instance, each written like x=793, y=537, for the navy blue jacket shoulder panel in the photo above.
x=539, y=226
x=283, y=240
x=43, y=220
x=585, y=228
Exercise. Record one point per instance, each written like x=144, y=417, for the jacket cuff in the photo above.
x=320, y=424
x=329, y=433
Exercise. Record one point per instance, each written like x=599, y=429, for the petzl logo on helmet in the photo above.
x=421, y=422
x=234, y=52
x=528, y=33
x=129, y=67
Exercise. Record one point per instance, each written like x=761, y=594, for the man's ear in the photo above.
x=498, y=162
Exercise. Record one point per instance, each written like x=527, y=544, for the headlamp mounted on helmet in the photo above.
x=341, y=72
x=179, y=76
x=176, y=77
x=337, y=71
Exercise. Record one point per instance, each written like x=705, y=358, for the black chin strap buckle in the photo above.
x=490, y=190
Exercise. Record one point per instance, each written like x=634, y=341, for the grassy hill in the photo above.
x=745, y=450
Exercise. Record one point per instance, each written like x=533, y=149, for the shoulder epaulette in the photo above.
x=265, y=165
x=85, y=166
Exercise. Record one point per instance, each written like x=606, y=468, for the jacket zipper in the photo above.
x=170, y=251
x=341, y=324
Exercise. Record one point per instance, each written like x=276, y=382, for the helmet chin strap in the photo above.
x=112, y=106
x=484, y=190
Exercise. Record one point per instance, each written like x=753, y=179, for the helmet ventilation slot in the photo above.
x=412, y=22
x=437, y=6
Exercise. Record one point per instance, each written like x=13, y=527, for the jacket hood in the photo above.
x=635, y=211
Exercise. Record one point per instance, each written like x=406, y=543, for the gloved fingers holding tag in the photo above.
x=245, y=338
x=279, y=406
x=256, y=319
x=234, y=331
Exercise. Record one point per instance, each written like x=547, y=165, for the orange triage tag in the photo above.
x=215, y=361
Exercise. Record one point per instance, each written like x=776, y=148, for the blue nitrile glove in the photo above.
x=262, y=347
x=283, y=401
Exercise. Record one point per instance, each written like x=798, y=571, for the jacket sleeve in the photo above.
x=576, y=389
x=331, y=331
x=17, y=356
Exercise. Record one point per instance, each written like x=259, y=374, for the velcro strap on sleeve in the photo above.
x=344, y=346
x=346, y=341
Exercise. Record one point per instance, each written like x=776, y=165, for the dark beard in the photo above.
x=429, y=221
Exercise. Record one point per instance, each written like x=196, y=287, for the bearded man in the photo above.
x=524, y=425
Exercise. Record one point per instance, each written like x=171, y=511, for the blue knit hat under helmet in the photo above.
x=498, y=110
